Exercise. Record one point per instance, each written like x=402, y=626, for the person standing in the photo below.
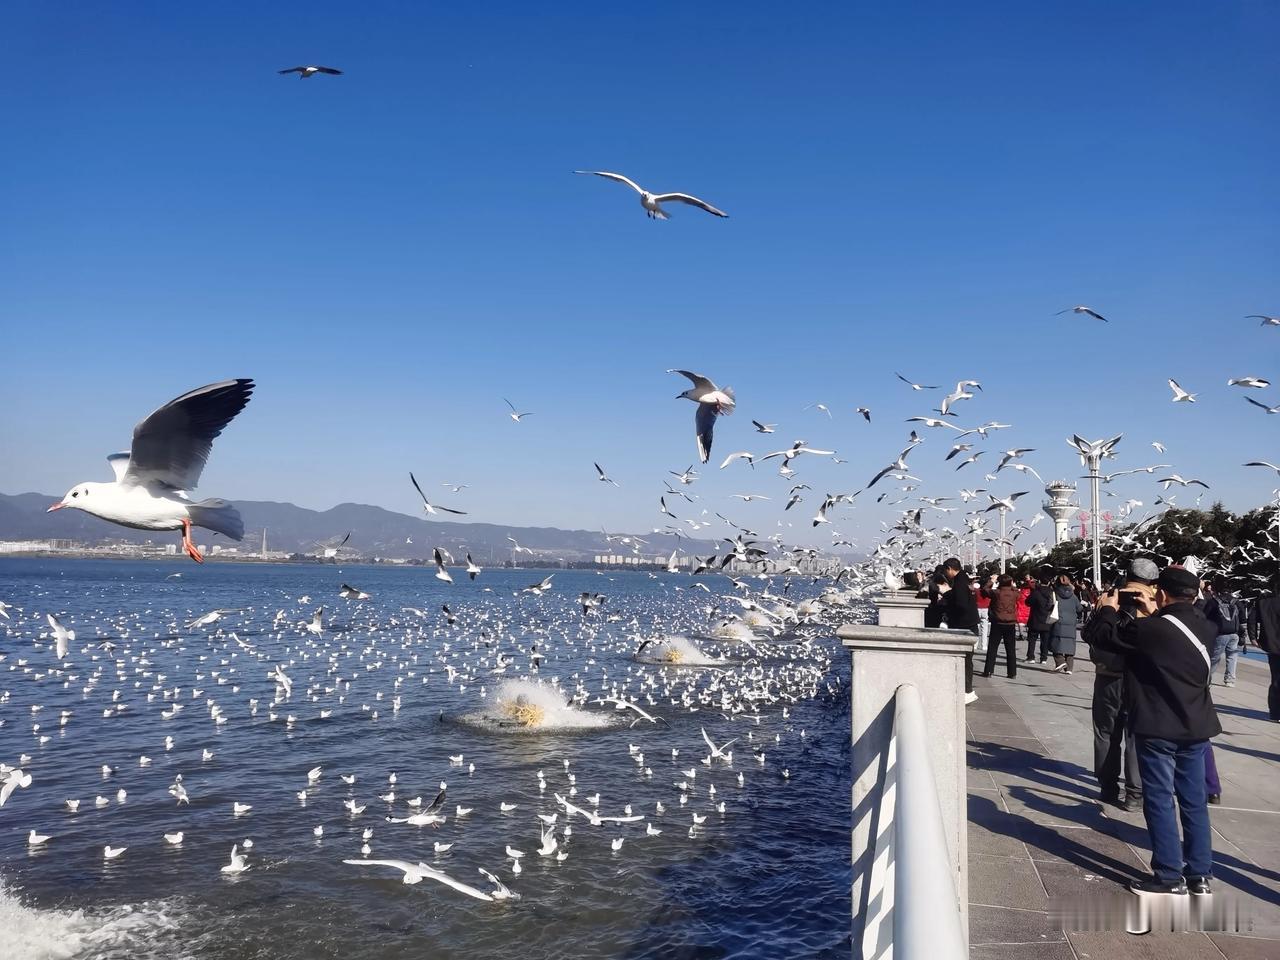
x=960, y=611
x=1039, y=608
x=1222, y=609
x=1115, y=755
x=1062, y=634
x=1264, y=630
x=1004, y=626
x=1166, y=657
x=982, y=597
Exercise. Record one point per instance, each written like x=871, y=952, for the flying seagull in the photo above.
x=1256, y=382
x=1180, y=395
x=514, y=414
x=170, y=448
x=1266, y=321
x=915, y=386
x=652, y=202
x=712, y=402
x=428, y=505
x=1275, y=409
x=310, y=71
x=763, y=427
x=1263, y=463
x=604, y=477
x=866, y=413
x=1085, y=310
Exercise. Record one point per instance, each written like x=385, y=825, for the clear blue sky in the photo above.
x=914, y=187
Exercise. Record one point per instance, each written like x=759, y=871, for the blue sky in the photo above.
x=389, y=253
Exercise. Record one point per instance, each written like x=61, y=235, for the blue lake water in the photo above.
x=382, y=691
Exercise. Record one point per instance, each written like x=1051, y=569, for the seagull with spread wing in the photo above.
x=652, y=202
x=1088, y=311
x=712, y=402
x=306, y=72
x=430, y=507
x=170, y=448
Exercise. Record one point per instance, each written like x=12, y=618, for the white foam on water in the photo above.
x=679, y=651
x=28, y=933
x=530, y=705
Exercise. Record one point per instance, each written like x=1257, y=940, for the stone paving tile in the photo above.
x=1002, y=925
x=1151, y=946
x=1023, y=951
x=1245, y=948
x=1001, y=882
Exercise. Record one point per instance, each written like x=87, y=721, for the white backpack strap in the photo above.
x=1186, y=632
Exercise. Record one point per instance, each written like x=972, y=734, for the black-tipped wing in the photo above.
x=704, y=423
x=698, y=380
x=171, y=446
x=295, y=70
x=691, y=201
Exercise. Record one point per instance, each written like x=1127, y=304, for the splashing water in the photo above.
x=527, y=705
x=116, y=932
x=678, y=651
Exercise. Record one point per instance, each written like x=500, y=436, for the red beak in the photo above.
x=56, y=506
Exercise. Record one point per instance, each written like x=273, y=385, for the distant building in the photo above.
x=1060, y=508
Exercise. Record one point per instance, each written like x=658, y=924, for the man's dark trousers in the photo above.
x=1171, y=769
x=1112, y=743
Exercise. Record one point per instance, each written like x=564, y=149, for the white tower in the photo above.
x=1060, y=508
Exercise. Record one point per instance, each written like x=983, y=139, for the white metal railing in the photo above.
x=913, y=909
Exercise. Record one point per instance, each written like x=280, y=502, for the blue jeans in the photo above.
x=1229, y=644
x=1172, y=769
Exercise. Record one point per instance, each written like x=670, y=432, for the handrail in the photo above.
x=913, y=884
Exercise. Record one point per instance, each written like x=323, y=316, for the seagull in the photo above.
x=310, y=71
x=603, y=477
x=652, y=202
x=1266, y=321
x=62, y=636
x=712, y=402
x=170, y=448
x=1263, y=463
x=1275, y=409
x=1256, y=382
x=900, y=464
x=441, y=572
x=514, y=414
x=1177, y=478
x=472, y=570
x=1085, y=310
x=110, y=853
x=866, y=413
x=430, y=507
x=348, y=592
x=238, y=864
x=417, y=872
x=538, y=589
x=797, y=448
x=739, y=455
x=206, y=619
x=1180, y=395
x=1006, y=503
x=915, y=386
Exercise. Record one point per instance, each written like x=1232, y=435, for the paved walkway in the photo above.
x=1038, y=837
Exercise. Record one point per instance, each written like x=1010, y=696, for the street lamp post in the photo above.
x=1002, y=540
x=1091, y=454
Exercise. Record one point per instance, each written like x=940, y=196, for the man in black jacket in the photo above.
x=1172, y=717
x=960, y=611
x=1040, y=605
x=1264, y=630
x=1114, y=749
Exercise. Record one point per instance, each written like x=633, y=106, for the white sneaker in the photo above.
x=970, y=697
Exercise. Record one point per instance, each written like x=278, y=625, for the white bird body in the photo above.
x=652, y=202
x=170, y=447
x=239, y=863
x=417, y=872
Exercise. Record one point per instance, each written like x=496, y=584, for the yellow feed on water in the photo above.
x=526, y=714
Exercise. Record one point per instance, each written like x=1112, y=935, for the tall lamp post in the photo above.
x=1091, y=455
x=1003, y=543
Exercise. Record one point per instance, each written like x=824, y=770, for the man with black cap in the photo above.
x=960, y=613
x=1172, y=717
x=1114, y=750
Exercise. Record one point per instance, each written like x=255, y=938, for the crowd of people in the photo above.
x=1156, y=640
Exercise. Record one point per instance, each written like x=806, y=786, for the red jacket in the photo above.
x=1024, y=611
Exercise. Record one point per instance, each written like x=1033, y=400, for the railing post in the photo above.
x=884, y=656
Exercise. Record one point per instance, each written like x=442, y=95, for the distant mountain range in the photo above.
x=374, y=532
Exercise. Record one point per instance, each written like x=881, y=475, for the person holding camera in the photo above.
x=1115, y=756
x=1172, y=717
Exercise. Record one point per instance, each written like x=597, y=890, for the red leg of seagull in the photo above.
x=187, y=545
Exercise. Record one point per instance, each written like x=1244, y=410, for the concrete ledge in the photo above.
x=868, y=636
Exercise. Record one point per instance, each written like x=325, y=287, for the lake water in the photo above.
x=767, y=877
